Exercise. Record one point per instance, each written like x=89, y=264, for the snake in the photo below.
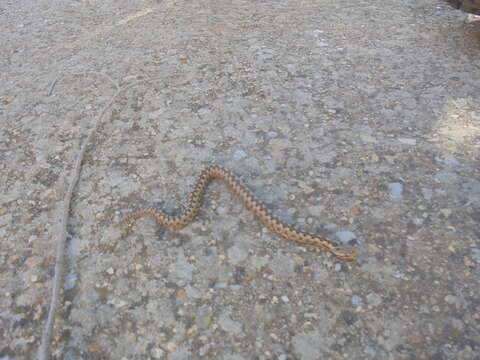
x=258, y=208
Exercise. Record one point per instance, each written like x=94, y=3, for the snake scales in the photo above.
x=246, y=196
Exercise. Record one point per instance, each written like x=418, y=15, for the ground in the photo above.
x=359, y=121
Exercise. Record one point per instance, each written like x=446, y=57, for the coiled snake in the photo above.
x=246, y=196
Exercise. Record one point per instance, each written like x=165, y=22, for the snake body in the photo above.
x=258, y=208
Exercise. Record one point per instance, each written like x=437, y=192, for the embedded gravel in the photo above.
x=359, y=121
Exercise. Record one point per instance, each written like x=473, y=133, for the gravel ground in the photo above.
x=358, y=121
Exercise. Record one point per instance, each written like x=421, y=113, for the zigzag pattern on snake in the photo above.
x=246, y=196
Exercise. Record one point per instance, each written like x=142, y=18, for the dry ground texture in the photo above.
x=357, y=120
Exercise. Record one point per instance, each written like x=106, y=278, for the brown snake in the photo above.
x=246, y=196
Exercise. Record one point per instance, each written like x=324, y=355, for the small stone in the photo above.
x=118, y=303
x=451, y=299
x=33, y=261
x=236, y=255
x=239, y=154
x=446, y=212
x=417, y=221
x=230, y=325
x=356, y=300
x=285, y=299
x=308, y=346
x=184, y=270
x=305, y=187
x=316, y=210
x=204, y=349
x=171, y=346
x=367, y=138
x=356, y=211
x=407, y=141
x=427, y=193
x=374, y=299
x=476, y=254
x=157, y=353
x=449, y=160
x=345, y=237
x=70, y=280
x=390, y=159
x=110, y=271
x=338, y=267
x=396, y=189
x=467, y=262
x=193, y=292
x=282, y=357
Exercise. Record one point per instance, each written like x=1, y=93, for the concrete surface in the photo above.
x=358, y=120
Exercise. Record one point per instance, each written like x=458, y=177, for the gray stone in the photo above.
x=239, y=154
x=345, y=237
x=310, y=346
x=356, y=300
x=283, y=266
x=396, y=189
x=70, y=281
x=476, y=254
x=427, y=193
x=407, y=141
x=373, y=300
x=236, y=255
x=180, y=353
x=230, y=325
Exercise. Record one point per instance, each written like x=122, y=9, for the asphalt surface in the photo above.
x=359, y=121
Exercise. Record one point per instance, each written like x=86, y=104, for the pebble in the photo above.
x=272, y=134
x=70, y=280
x=446, y=212
x=306, y=188
x=239, y=154
x=367, y=138
x=374, y=299
x=236, y=255
x=417, y=221
x=184, y=270
x=285, y=299
x=448, y=160
x=407, y=141
x=345, y=237
x=310, y=345
x=476, y=254
x=118, y=303
x=204, y=349
x=229, y=325
x=157, y=353
x=427, y=193
x=356, y=300
x=453, y=300
x=171, y=346
x=396, y=189
x=193, y=292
